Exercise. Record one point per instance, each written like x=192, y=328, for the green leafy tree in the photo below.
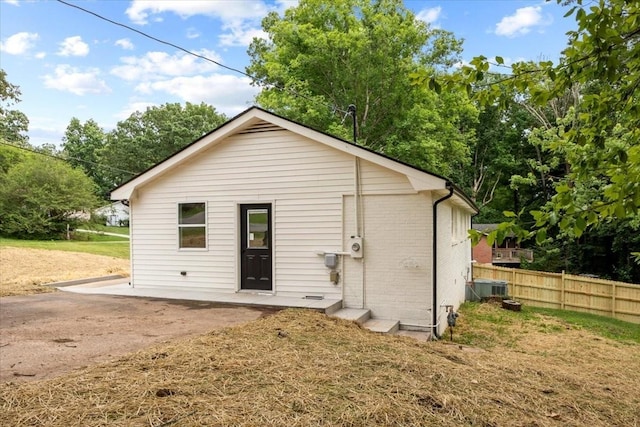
x=10, y=155
x=602, y=139
x=336, y=53
x=14, y=124
x=81, y=145
x=500, y=151
x=40, y=195
x=146, y=138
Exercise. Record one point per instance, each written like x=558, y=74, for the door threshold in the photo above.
x=256, y=292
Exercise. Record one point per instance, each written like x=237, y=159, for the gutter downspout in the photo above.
x=448, y=186
x=127, y=203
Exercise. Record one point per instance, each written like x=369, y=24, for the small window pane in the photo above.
x=192, y=213
x=258, y=229
x=192, y=237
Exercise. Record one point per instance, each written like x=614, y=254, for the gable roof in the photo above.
x=256, y=120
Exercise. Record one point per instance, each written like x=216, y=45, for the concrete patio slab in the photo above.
x=121, y=287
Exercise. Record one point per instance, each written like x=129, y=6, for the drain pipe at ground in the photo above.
x=448, y=186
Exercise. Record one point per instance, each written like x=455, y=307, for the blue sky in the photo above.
x=71, y=64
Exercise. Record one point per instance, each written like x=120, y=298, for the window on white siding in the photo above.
x=192, y=225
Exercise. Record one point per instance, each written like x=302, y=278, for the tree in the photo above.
x=40, y=195
x=13, y=123
x=144, y=139
x=81, y=145
x=322, y=56
x=10, y=155
x=500, y=151
x=600, y=138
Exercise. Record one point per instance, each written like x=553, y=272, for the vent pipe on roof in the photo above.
x=352, y=110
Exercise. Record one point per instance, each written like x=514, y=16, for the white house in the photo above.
x=264, y=204
x=115, y=214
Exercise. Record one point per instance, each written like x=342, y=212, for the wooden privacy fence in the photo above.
x=565, y=291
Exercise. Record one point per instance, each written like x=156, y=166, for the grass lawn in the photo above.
x=604, y=326
x=96, y=244
x=489, y=328
x=301, y=368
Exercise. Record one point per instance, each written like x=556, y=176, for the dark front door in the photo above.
x=255, y=247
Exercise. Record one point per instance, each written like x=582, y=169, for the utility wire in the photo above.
x=66, y=158
x=197, y=55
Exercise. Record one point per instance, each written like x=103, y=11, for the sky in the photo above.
x=69, y=63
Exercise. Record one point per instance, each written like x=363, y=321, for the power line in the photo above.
x=66, y=158
x=197, y=55
x=155, y=38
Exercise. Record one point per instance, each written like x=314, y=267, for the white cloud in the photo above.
x=240, y=19
x=240, y=36
x=41, y=55
x=521, y=22
x=13, y=2
x=45, y=130
x=156, y=65
x=19, y=43
x=131, y=108
x=125, y=44
x=192, y=33
x=229, y=94
x=73, y=46
x=140, y=10
x=429, y=15
x=70, y=79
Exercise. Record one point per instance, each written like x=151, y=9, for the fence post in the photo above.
x=613, y=300
x=562, y=291
x=513, y=280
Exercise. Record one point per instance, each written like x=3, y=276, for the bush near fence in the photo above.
x=566, y=291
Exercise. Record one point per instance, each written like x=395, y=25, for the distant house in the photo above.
x=268, y=206
x=116, y=214
x=506, y=254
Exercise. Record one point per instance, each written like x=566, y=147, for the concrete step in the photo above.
x=333, y=307
x=382, y=325
x=356, y=314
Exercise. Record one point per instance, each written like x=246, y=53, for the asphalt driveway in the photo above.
x=45, y=335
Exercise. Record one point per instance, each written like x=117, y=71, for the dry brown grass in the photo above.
x=23, y=271
x=301, y=368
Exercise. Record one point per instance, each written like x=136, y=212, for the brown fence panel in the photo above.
x=565, y=291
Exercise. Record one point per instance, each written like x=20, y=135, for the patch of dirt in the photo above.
x=24, y=270
x=46, y=335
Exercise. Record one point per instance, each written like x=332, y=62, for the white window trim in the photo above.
x=180, y=226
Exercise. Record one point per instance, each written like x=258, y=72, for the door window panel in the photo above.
x=257, y=229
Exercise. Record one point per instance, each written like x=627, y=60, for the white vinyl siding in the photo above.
x=304, y=181
x=309, y=180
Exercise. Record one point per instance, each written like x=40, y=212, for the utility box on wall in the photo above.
x=331, y=261
x=356, y=247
